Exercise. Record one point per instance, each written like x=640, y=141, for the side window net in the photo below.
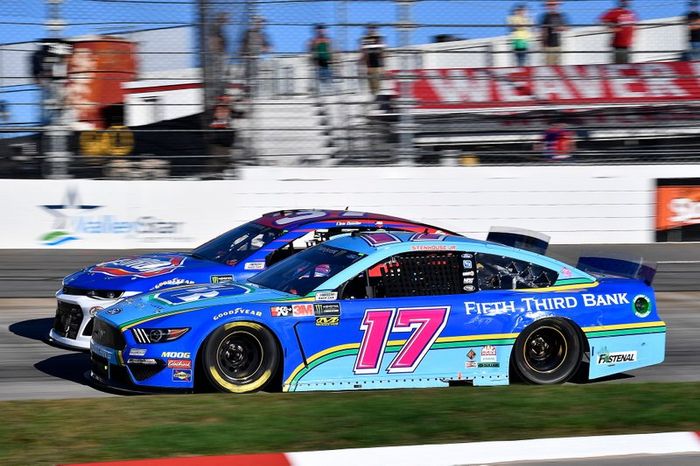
x=423, y=274
x=496, y=272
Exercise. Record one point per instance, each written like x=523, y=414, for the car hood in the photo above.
x=183, y=299
x=149, y=272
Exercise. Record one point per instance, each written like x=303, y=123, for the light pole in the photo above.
x=53, y=91
x=405, y=127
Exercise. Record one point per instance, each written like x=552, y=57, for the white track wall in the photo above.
x=573, y=204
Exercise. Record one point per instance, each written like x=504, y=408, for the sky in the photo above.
x=289, y=22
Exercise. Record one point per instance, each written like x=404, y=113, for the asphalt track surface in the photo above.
x=32, y=369
x=37, y=273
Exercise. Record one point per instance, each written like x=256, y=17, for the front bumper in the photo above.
x=72, y=327
x=127, y=389
x=110, y=369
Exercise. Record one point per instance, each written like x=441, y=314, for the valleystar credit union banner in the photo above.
x=678, y=209
x=466, y=88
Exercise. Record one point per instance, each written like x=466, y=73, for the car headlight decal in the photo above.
x=105, y=294
x=157, y=335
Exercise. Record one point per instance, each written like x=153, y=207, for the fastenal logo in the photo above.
x=614, y=358
x=74, y=220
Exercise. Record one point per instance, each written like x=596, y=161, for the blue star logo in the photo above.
x=62, y=213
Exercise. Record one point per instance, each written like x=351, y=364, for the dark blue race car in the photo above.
x=387, y=310
x=235, y=255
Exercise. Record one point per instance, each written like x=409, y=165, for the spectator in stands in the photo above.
x=693, y=18
x=372, y=48
x=557, y=142
x=621, y=21
x=520, y=24
x=218, y=58
x=321, y=50
x=254, y=43
x=41, y=67
x=552, y=24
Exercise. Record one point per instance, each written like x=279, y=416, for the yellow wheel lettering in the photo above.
x=249, y=387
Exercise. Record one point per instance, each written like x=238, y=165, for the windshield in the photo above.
x=305, y=271
x=237, y=244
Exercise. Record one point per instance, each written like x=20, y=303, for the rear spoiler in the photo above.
x=635, y=268
x=533, y=241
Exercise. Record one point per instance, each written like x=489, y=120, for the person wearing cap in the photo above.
x=520, y=24
x=622, y=22
x=693, y=19
x=552, y=24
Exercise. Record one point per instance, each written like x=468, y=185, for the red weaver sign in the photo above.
x=466, y=88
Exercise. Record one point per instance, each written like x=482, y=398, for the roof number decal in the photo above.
x=297, y=216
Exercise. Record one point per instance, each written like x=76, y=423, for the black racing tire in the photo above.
x=240, y=357
x=547, y=352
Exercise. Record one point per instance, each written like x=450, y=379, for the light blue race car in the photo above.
x=388, y=310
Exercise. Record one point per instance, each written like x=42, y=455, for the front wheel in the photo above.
x=547, y=352
x=240, y=357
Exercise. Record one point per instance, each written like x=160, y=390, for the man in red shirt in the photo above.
x=621, y=21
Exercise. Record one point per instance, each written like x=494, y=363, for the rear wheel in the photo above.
x=240, y=357
x=547, y=352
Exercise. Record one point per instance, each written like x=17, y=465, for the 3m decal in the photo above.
x=302, y=310
x=424, y=323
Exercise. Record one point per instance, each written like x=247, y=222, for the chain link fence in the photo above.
x=199, y=88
